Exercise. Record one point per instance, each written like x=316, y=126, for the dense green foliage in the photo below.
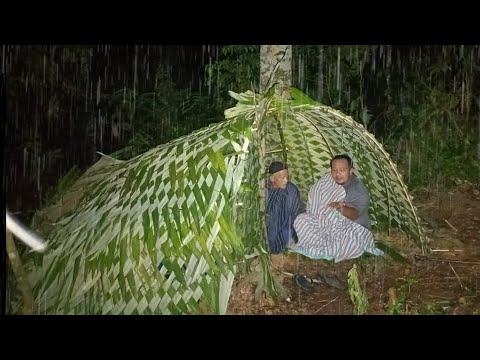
x=419, y=101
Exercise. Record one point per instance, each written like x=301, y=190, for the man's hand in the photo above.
x=347, y=211
x=337, y=204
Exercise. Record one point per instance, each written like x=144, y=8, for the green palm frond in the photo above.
x=307, y=134
x=329, y=133
x=175, y=204
x=68, y=192
x=314, y=133
x=195, y=206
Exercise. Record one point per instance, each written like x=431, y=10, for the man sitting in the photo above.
x=283, y=204
x=357, y=198
x=336, y=225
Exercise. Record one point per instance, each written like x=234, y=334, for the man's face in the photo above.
x=280, y=179
x=341, y=172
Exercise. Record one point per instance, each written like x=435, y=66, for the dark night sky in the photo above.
x=29, y=94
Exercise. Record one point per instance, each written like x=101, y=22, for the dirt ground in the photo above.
x=447, y=281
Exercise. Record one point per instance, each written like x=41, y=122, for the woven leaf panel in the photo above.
x=170, y=205
x=193, y=205
x=315, y=134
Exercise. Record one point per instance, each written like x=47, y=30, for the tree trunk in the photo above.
x=275, y=69
x=275, y=66
x=320, y=73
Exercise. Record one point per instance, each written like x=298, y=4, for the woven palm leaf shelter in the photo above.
x=165, y=232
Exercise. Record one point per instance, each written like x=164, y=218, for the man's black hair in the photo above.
x=343, y=156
